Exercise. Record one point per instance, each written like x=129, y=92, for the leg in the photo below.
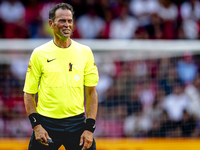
x=35, y=145
x=74, y=145
x=93, y=147
x=73, y=133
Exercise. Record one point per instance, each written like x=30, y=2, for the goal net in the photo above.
x=147, y=88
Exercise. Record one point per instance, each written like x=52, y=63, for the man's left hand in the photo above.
x=86, y=139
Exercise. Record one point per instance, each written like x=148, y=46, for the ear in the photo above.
x=51, y=23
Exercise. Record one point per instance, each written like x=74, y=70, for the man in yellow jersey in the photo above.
x=61, y=71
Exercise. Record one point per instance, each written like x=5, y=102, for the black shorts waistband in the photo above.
x=66, y=127
x=68, y=119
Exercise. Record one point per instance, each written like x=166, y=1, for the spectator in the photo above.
x=90, y=25
x=32, y=18
x=176, y=102
x=143, y=9
x=190, y=13
x=191, y=29
x=113, y=124
x=155, y=130
x=12, y=11
x=140, y=69
x=167, y=126
x=168, y=11
x=18, y=67
x=168, y=81
x=187, y=68
x=137, y=124
x=164, y=65
x=115, y=95
x=105, y=82
x=133, y=103
x=123, y=27
x=141, y=33
x=102, y=6
x=106, y=30
x=14, y=21
x=7, y=82
x=156, y=110
x=190, y=10
x=188, y=124
x=147, y=95
x=192, y=90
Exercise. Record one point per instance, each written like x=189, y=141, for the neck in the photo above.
x=63, y=43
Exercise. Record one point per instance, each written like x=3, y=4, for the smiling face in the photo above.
x=62, y=24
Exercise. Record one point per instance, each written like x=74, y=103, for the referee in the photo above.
x=60, y=71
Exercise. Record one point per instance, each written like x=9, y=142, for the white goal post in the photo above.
x=108, y=49
x=109, y=44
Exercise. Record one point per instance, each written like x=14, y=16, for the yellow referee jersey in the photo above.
x=59, y=75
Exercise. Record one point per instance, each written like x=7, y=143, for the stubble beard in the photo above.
x=63, y=36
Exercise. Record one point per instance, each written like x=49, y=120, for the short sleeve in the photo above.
x=33, y=75
x=91, y=76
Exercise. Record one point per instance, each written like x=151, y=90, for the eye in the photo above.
x=62, y=20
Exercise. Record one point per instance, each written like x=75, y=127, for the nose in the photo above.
x=66, y=24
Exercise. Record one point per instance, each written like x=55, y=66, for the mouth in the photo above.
x=66, y=31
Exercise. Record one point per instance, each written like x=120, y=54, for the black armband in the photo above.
x=90, y=125
x=34, y=119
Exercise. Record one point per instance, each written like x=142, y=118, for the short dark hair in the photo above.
x=52, y=12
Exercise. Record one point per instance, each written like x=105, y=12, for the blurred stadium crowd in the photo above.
x=134, y=19
x=139, y=98
x=150, y=98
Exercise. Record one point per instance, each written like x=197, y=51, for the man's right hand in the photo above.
x=41, y=135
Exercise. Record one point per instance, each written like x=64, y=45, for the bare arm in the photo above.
x=91, y=108
x=91, y=102
x=29, y=101
x=40, y=133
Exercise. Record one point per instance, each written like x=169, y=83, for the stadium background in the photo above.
x=147, y=52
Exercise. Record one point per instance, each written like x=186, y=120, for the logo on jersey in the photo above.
x=70, y=66
x=49, y=60
x=29, y=67
x=76, y=77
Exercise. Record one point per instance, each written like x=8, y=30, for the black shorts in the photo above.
x=66, y=132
